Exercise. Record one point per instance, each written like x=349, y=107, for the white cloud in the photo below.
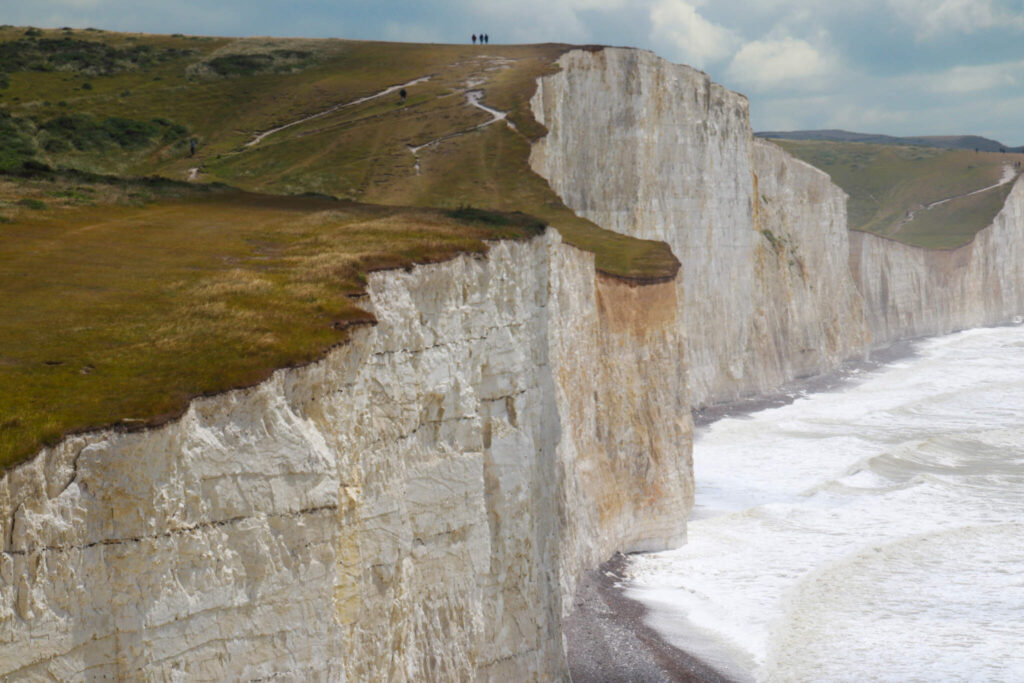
x=696, y=39
x=785, y=63
x=967, y=79
x=863, y=119
x=934, y=18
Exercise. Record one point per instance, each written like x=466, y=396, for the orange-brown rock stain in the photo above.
x=641, y=426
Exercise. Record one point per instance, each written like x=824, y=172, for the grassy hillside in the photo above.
x=124, y=300
x=124, y=297
x=969, y=142
x=892, y=188
x=130, y=104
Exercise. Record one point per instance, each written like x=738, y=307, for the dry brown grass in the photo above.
x=117, y=313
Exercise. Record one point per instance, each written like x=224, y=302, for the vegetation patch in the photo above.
x=254, y=56
x=87, y=133
x=29, y=145
x=84, y=56
x=890, y=186
x=17, y=142
x=519, y=219
x=127, y=297
x=250, y=64
x=195, y=292
x=34, y=204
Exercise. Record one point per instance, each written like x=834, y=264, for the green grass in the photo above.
x=125, y=298
x=955, y=223
x=885, y=182
x=119, y=312
x=358, y=153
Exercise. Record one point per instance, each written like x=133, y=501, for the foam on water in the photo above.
x=872, y=533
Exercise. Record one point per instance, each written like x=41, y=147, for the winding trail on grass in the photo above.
x=473, y=98
x=1008, y=175
x=330, y=110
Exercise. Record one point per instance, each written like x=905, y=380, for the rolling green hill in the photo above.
x=924, y=196
x=137, y=276
x=974, y=143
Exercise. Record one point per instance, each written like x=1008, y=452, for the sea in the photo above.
x=873, y=532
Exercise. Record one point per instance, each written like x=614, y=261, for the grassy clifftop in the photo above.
x=130, y=104
x=123, y=300
x=923, y=196
x=125, y=297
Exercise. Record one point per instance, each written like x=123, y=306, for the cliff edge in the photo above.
x=416, y=506
x=420, y=504
x=657, y=150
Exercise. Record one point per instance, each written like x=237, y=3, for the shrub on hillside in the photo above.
x=16, y=144
x=86, y=56
x=88, y=133
x=258, y=60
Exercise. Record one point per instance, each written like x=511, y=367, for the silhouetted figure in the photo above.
x=401, y=93
x=192, y=147
x=474, y=39
x=487, y=38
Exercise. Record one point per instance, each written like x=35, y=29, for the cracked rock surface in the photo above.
x=416, y=506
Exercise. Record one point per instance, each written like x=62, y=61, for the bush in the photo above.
x=87, y=133
x=496, y=218
x=33, y=204
x=256, y=63
x=16, y=144
x=240, y=65
x=68, y=54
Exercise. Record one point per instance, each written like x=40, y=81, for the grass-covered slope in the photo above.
x=100, y=111
x=124, y=298
x=899, y=191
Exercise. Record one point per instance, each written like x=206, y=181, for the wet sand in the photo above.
x=608, y=642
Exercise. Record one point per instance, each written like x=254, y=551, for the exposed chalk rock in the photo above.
x=416, y=506
x=656, y=150
x=419, y=504
x=911, y=292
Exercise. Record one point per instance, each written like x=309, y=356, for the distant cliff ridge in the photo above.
x=975, y=142
x=765, y=294
x=420, y=504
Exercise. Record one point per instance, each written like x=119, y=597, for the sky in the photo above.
x=899, y=67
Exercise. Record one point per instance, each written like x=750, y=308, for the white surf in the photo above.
x=871, y=533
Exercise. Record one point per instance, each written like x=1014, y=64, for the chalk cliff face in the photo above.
x=419, y=504
x=910, y=292
x=656, y=150
x=416, y=506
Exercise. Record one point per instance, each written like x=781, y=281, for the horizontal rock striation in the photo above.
x=416, y=506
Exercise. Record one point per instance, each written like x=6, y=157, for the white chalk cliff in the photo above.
x=911, y=292
x=656, y=150
x=419, y=504
x=416, y=506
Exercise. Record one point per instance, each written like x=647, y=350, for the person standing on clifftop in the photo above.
x=474, y=39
